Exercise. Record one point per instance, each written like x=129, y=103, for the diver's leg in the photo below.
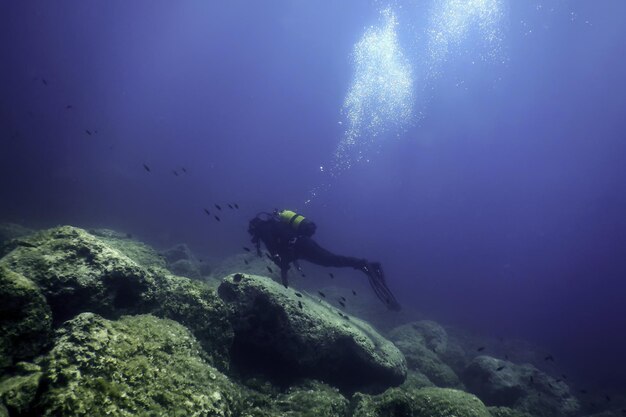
x=376, y=277
x=307, y=249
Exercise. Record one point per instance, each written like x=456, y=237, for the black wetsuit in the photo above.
x=286, y=246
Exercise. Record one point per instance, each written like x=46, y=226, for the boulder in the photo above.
x=137, y=365
x=522, y=387
x=506, y=412
x=181, y=261
x=425, y=402
x=25, y=318
x=420, y=342
x=78, y=272
x=18, y=391
x=496, y=382
x=297, y=335
x=139, y=252
x=10, y=231
x=311, y=399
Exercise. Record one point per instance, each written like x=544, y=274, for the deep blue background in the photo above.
x=501, y=209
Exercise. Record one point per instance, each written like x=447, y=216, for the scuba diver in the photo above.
x=287, y=237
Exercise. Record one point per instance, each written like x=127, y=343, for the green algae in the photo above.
x=138, y=365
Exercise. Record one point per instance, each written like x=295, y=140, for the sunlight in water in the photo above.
x=381, y=95
x=451, y=21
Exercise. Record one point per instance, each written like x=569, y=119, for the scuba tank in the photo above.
x=298, y=222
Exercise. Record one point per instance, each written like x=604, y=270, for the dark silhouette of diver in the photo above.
x=287, y=237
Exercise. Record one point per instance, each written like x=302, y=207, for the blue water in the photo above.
x=476, y=148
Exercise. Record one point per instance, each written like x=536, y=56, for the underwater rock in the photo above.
x=420, y=354
x=25, y=318
x=197, y=307
x=137, y=365
x=10, y=231
x=255, y=265
x=306, y=337
x=185, y=268
x=498, y=388
x=181, y=261
x=522, y=387
x=139, y=252
x=426, y=402
x=311, y=399
x=18, y=391
x=506, y=412
x=78, y=272
x=435, y=336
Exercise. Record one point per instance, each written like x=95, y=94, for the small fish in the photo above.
x=43, y=80
x=218, y=207
x=270, y=269
x=342, y=304
x=184, y=170
x=300, y=304
x=558, y=380
x=499, y=368
x=480, y=349
x=322, y=294
x=549, y=358
x=298, y=295
x=208, y=213
x=303, y=275
x=175, y=173
x=564, y=376
x=217, y=218
x=343, y=299
x=506, y=357
x=237, y=277
x=129, y=235
x=230, y=206
x=608, y=399
x=146, y=167
x=268, y=256
x=346, y=317
x=88, y=132
x=353, y=292
x=246, y=262
x=532, y=380
x=68, y=107
x=331, y=275
x=236, y=206
x=583, y=391
x=247, y=249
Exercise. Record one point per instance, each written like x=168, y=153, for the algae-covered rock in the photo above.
x=305, y=337
x=416, y=380
x=10, y=231
x=138, y=365
x=506, y=412
x=139, y=252
x=421, y=352
x=197, y=307
x=495, y=381
x=522, y=387
x=311, y=400
x=18, y=391
x=25, y=318
x=77, y=272
x=426, y=402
